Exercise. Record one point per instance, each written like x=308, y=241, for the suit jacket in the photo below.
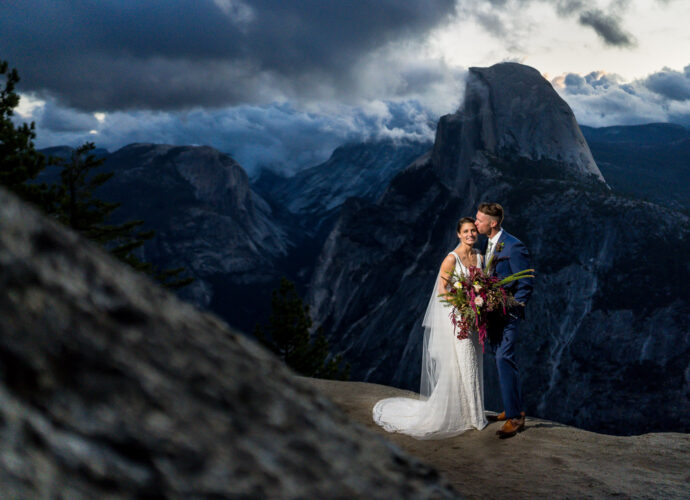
x=510, y=257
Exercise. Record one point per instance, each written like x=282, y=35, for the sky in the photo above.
x=280, y=83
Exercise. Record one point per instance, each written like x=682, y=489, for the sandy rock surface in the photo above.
x=546, y=460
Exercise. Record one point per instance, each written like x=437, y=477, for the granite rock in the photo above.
x=111, y=387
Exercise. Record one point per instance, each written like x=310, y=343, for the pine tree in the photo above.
x=72, y=202
x=20, y=163
x=77, y=207
x=287, y=335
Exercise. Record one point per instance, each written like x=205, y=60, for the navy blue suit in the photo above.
x=511, y=256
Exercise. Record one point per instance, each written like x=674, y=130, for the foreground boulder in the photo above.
x=111, y=387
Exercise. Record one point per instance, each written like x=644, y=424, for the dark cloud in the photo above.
x=575, y=83
x=176, y=54
x=59, y=119
x=497, y=18
x=674, y=85
x=607, y=27
x=277, y=82
x=602, y=80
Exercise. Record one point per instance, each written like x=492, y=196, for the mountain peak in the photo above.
x=511, y=111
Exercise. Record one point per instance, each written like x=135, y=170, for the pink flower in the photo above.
x=478, y=301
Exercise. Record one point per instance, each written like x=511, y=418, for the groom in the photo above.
x=510, y=256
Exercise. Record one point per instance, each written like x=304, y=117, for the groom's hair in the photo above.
x=492, y=209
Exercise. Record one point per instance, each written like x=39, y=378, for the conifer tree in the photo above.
x=72, y=201
x=20, y=163
x=287, y=335
x=77, y=207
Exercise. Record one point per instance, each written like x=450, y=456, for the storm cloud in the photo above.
x=281, y=84
x=176, y=54
x=674, y=85
x=60, y=119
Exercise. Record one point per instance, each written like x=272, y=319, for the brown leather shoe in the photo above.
x=501, y=417
x=511, y=427
x=497, y=418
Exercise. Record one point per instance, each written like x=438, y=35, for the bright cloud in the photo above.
x=601, y=99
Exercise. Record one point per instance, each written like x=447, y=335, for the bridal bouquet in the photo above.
x=475, y=296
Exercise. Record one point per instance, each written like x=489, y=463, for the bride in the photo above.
x=452, y=393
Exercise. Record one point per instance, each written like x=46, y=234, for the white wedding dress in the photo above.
x=451, y=397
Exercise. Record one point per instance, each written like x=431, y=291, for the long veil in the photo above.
x=451, y=398
x=438, y=347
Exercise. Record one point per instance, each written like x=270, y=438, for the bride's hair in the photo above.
x=464, y=220
x=492, y=209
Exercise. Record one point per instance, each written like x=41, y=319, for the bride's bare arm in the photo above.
x=444, y=274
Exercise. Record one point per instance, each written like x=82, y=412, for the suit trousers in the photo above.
x=508, y=373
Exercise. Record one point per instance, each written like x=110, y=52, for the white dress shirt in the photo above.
x=491, y=246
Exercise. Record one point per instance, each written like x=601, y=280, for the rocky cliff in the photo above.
x=200, y=202
x=207, y=219
x=508, y=111
x=605, y=345
x=354, y=170
x=110, y=388
x=310, y=202
x=235, y=238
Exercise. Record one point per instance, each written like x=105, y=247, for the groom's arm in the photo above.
x=519, y=261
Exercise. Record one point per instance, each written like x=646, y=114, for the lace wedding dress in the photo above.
x=451, y=397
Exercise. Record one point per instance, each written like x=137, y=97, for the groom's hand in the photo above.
x=517, y=311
